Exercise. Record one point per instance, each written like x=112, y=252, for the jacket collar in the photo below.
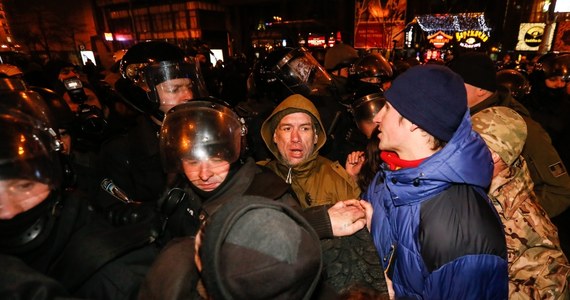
x=464, y=160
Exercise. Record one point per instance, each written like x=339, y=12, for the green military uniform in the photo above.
x=551, y=180
x=538, y=269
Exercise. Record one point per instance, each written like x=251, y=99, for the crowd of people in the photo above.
x=358, y=178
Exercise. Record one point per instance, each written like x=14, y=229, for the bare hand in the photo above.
x=369, y=210
x=354, y=162
x=347, y=217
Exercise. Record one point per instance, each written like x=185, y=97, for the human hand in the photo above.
x=347, y=217
x=369, y=210
x=354, y=162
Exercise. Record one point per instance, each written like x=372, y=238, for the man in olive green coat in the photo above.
x=294, y=134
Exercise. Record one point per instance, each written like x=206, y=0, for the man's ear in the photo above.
x=413, y=127
x=496, y=157
x=274, y=135
x=482, y=93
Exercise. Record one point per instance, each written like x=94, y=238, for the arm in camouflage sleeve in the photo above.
x=550, y=177
x=537, y=265
x=538, y=268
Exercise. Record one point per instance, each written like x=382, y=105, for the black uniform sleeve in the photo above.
x=19, y=281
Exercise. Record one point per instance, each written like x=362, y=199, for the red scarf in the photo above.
x=395, y=162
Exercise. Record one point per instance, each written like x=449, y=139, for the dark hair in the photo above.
x=372, y=164
x=437, y=143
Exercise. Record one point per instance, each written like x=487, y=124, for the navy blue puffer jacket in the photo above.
x=435, y=230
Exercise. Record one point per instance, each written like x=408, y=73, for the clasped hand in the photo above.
x=349, y=216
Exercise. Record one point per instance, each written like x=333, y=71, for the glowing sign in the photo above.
x=439, y=39
x=531, y=36
x=471, y=38
x=316, y=41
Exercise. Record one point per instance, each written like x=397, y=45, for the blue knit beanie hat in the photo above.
x=432, y=97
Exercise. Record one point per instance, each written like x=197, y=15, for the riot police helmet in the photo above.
x=30, y=151
x=368, y=100
x=147, y=65
x=15, y=94
x=263, y=82
x=298, y=71
x=517, y=83
x=555, y=65
x=167, y=78
x=140, y=55
x=372, y=68
x=201, y=130
x=340, y=56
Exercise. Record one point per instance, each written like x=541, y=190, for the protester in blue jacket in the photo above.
x=436, y=232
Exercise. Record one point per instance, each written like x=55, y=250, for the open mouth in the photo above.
x=296, y=152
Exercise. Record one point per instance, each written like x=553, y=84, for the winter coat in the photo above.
x=78, y=254
x=249, y=179
x=132, y=161
x=434, y=228
x=538, y=268
x=317, y=181
x=551, y=180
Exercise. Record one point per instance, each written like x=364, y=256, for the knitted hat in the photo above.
x=476, y=69
x=504, y=131
x=430, y=96
x=256, y=248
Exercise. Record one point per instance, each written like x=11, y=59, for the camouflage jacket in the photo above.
x=538, y=268
x=550, y=177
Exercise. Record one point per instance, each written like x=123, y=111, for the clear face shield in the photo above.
x=134, y=72
x=200, y=131
x=15, y=97
x=517, y=84
x=28, y=151
x=302, y=74
x=366, y=107
x=556, y=69
x=373, y=69
x=172, y=81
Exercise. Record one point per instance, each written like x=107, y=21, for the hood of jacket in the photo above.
x=465, y=159
x=292, y=104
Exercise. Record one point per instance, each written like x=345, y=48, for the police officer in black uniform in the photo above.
x=549, y=102
x=213, y=169
x=51, y=242
x=368, y=78
x=156, y=77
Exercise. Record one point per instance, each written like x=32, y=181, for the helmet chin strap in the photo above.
x=29, y=229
